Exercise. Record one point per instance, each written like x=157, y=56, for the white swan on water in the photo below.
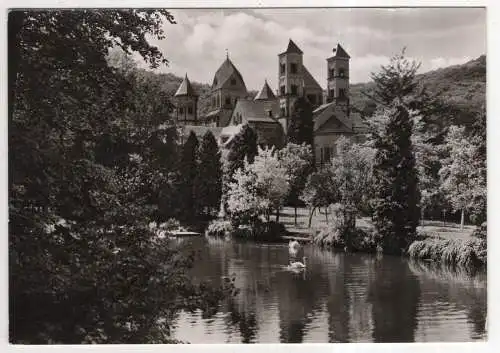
x=298, y=265
x=293, y=247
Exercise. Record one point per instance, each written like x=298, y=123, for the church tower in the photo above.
x=338, y=78
x=290, y=78
x=186, y=104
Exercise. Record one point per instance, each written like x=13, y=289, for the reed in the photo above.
x=464, y=253
x=219, y=228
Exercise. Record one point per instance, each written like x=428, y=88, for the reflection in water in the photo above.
x=338, y=298
x=394, y=294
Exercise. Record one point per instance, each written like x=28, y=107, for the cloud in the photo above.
x=254, y=37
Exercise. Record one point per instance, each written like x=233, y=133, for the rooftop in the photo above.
x=224, y=73
x=185, y=89
x=266, y=93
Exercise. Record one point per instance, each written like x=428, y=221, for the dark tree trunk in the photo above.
x=311, y=216
x=277, y=214
x=295, y=218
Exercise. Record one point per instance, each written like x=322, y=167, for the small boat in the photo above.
x=183, y=233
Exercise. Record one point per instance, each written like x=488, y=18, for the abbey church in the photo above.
x=268, y=113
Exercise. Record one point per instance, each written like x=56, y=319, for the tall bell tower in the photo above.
x=338, y=77
x=290, y=77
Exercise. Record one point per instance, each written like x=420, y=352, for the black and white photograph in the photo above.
x=246, y=175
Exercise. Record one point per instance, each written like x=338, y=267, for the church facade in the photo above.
x=268, y=113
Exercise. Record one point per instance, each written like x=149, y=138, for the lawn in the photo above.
x=435, y=228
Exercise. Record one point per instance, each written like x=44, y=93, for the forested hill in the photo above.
x=463, y=88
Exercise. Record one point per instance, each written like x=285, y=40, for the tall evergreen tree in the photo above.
x=188, y=170
x=209, y=179
x=396, y=199
x=300, y=128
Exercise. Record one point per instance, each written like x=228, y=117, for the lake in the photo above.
x=338, y=298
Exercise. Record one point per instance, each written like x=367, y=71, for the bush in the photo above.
x=335, y=237
x=329, y=237
x=219, y=228
x=467, y=254
x=261, y=231
x=480, y=232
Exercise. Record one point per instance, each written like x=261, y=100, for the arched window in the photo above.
x=233, y=81
x=341, y=72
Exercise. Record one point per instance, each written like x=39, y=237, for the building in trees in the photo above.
x=270, y=113
x=185, y=101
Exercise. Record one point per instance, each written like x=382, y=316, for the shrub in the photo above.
x=357, y=240
x=329, y=237
x=219, y=228
x=467, y=254
x=480, y=232
x=261, y=231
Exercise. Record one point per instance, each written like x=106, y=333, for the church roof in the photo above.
x=340, y=52
x=224, y=73
x=324, y=113
x=185, y=89
x=266, y=93
x=309, y=80
x=224, y=116
x=292, y=48
x=257, y=110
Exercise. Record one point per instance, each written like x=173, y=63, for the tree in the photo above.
x=272, y=183
x=300, y=128
x=351, y=173
x=297, y=161
x=188, y=170
x=76, y=217
x=209, y=178
x=427, y=164
x=319, y=191
x=396, y=80
x=258, y=188
x=463, y=173
x=396, y=195
x=241, y=146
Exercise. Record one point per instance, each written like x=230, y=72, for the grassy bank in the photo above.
x=440, y=242
x=445, y=243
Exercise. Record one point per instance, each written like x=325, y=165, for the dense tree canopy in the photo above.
x=300, y=128
x=84, y=182
x=396, y=194
x=209, y=179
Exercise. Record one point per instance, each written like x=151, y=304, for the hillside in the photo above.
x=462, y=87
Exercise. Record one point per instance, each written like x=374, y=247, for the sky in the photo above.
x=436, y=37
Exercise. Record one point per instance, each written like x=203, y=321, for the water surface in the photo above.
x=338, y=298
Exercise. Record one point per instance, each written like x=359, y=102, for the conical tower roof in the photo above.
x=293, y=48
x=185, y=89
x=266, y=93
x=341, y=53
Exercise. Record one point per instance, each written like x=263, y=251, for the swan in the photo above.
x=298, y=265
x=294, y=245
